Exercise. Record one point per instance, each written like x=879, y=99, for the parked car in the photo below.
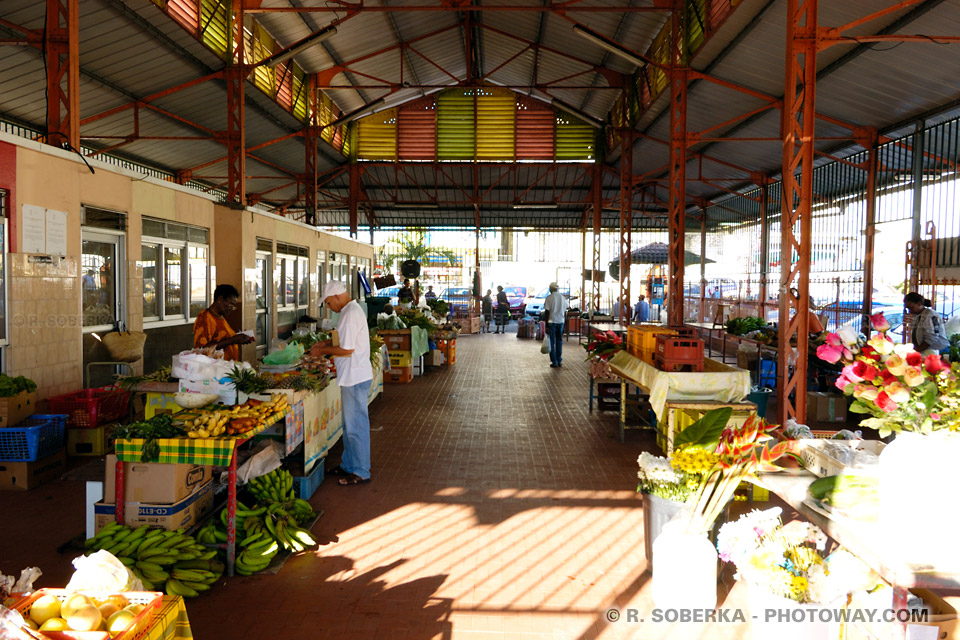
x=460, y=299
x=390, y=292
x=517, y=297
x=534, y=304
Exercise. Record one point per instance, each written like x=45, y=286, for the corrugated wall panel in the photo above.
x=213, y=24
x=417, y=130
x=299, y=88
x=263, y=47
x=185, y=12
x=575, y=140
x=377, y=136
x=495, y=124
x=456, y=132
x=535, y=122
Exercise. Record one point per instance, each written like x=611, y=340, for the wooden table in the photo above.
x=865, y=540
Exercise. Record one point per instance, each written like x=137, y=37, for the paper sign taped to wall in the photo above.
x=56, y=228
x=33, y=230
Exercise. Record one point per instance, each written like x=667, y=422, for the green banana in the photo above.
x=156, y=576
x=177, y=588
x=164, y=560
x=143, y=565
x=190, y=575
x=128, y=562
x=270, y=550
x=147, y=584
x=196, y=586
x=152, y=551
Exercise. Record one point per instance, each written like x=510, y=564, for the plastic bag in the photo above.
x=262, y=462
x=796, y=431
x=545, y=347
x=12, y=625
x=747, y=348
x=291, y=354
x=101, y=571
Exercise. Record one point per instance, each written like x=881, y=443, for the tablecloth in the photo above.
x=170, y=622
x=418, y=342
x=718, y=382
x=323, y=423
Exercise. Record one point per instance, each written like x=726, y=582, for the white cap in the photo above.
x=333, y=288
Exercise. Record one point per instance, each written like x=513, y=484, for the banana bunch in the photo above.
x=253, y=413
x=276, y=486
x=158, y=557
x=208, y=424
x=256, y=557
x=285, y=530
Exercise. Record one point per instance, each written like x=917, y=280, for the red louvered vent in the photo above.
x=417, y=135
x=535, y=123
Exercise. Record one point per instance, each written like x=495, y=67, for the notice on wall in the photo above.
x=56, y=227
x=33, y=229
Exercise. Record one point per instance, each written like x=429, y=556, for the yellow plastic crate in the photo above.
x=401, y=359
x=681, y=415
x=642, y=340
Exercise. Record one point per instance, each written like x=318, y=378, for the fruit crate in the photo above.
x=305, y=486
x=642, y=340
x=677, y=348
x=36, y=437
x=91, y=408
x=151, y=601
x=677, y=366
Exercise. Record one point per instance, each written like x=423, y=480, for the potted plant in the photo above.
x=917, y=398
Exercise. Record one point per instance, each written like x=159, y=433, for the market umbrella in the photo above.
x=654, y=253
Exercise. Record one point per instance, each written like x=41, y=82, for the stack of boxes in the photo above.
x=31, y=446
x=401, y=356
x=166, y=496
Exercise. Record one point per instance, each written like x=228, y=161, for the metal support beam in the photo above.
x=799, y=118
x=917, y=166
x=61, y=49
x=626, y=224
x=354, y=198
x=597, y=224
x=310, y=157
x=764, y=247
x=703, y=264
x=869, y=233
x=235, y=135
x=678, y=170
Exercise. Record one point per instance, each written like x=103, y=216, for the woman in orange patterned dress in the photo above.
x=211, y=328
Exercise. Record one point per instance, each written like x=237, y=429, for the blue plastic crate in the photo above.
x=36, y=437
x=304, y=487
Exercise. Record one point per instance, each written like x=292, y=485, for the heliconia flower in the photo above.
x=882, y=346
x=866, y=392
x=933, y=364
x=885, y=402
x=914, y=359
x=913, y=376
x=896, y=365
x=897, y=392
x=830, y=353
x=864, y=370
x=879, y=322
x=886, y=377
x=848, y=335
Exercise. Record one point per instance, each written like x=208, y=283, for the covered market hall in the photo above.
x=449, y=315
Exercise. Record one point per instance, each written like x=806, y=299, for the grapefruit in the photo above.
x=84, y=618
x=44, y=608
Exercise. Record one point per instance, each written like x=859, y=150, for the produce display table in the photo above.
x=866, y=540
x=718, y=382
x=202, y=451
x=170, y=622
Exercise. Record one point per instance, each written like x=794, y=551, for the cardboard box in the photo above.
x=90, y=442
x=826, y=407
x=28, y=475
x=155, y=483
x=185, y=513
x=399, y=374
x=401, y=359
x=16, y=409
x=942, y=618
x=434, y=358
x=396, y=340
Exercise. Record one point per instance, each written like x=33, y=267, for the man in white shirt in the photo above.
x=354, y=375
x=555, y=306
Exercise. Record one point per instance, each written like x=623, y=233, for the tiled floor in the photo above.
x=500, y=508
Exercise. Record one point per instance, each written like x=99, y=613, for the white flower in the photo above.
x=903, y=349
x=818, y=585
x=848, y=335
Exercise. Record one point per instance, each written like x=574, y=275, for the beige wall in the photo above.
x=44, y=302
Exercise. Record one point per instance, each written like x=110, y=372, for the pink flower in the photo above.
x=885, y=402
x=834, y=340
x=913, y=376
x=896, y=365
x=897, y=392
x=933, y=364
x=842, y=382
x=866, y=392
x=914, y=359
x=849, y=372
x=879, y=322
x=865, y=371
x=934, y=416
x=882, y=345
x=830, y=353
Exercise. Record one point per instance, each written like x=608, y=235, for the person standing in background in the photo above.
x=503, y=310
x=641, y=312
x=405, y=295
x=928, y=334
x=430, y=295
x=486, y=311
x=354, y=376
x=555, y=308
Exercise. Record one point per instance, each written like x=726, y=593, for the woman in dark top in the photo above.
x=486, y=308
x=503, y=310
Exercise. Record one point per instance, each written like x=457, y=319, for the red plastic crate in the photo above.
x=680, y=349
x=90, y=408
x=674, y=366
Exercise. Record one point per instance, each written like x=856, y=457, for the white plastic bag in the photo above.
x=101, y=571
x=262, y=462
x=545, y=347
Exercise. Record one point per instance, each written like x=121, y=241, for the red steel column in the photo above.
x=597, y=222
x=61, y=49
x=869, y=232
x=310, y=156
x=764, y=248
x=626, y=222
x=798, y=136
x=354, y=198
x=678, y=178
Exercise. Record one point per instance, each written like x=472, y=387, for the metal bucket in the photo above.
x=656, y=513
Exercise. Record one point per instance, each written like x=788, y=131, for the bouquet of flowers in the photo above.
x=786, y=559
x=676, y=478
x=900, y=388
x=603, y=345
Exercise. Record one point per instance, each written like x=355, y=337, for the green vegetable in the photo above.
x=129, y=383
x=438, y=306
x=159, y=426
x=741, y=326
x=248, y=381
x=12, y=386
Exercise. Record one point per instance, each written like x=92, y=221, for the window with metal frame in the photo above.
x=102, y=265
x=176, y=271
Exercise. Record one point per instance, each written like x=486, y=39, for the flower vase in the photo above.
x=774, y=617
x=685, y=576
x=917, y=476
x=657, y=512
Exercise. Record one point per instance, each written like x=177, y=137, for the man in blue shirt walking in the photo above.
x=641, y=312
